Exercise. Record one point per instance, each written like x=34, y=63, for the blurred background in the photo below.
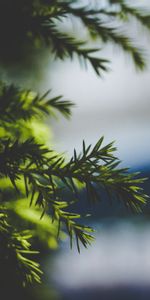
x=117, y=265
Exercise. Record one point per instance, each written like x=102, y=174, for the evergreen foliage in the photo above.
x=32, y=175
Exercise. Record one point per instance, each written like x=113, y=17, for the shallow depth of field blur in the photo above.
x=117, y=265
x=117, y=106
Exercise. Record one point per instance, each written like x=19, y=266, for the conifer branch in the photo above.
x=16, y=244
x=33, y=171
x=126, y=10
x=18, y=104
x=95, y=168
x=98, y=28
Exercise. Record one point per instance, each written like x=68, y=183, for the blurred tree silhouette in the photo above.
x=32, y=176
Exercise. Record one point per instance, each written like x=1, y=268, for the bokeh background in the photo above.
x=117, y=265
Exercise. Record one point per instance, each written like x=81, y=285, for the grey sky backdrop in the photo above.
x=117, y=106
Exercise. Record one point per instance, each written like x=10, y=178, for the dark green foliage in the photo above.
x=16, y=247
x=21, y=104
x=43, y=170
x=32, y=175
x=26, y=25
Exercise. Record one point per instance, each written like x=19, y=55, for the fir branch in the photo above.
x=14, y=154
x=16, y=244
x=42, y=173
x=75, y=230
x=64, y=46
x=93, y=19
x=95, y=167
x=109, y=33
x=126, y=10
x=16, y=104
